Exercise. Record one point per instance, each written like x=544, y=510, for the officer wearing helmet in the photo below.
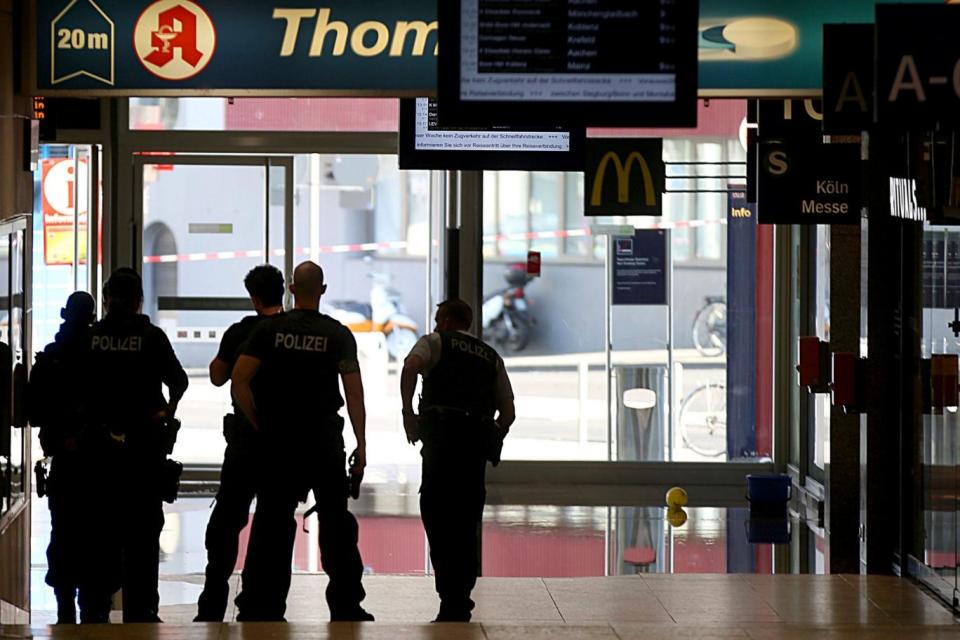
x=57, y=372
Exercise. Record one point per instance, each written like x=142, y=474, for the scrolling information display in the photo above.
x=637, y=59
x=430, y=137
x=425, y=144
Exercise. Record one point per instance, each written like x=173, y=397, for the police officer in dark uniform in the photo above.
x=57, y=371
x=466, y=409
x=240, y=468
x=131, y=362
x=297, y=359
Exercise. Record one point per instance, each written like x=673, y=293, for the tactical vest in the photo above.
x=124, y=363
x=464, y=378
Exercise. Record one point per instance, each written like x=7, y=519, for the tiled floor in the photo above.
x=648, y=607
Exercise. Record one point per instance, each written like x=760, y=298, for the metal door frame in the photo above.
x=268, y=162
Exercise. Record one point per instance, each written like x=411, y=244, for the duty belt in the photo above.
x=442, y=410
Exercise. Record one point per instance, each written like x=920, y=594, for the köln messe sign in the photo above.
x=806, y=182
x=370, y=47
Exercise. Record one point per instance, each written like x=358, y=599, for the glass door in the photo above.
x=940, y=443
x=205, y=222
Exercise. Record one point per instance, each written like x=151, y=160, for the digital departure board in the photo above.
x=425, y=144
x=588, y=62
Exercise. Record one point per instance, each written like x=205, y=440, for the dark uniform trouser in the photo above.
x=70, y=545
x=451, y=505
x=266, y=572
x=230, y=515
x=141, y=522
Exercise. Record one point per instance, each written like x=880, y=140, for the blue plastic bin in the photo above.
x=762, y=529
x=768, y=489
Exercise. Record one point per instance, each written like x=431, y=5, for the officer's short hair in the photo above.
x=456, y=310
x=266, y=283
x=124, y=271
x=125, y=290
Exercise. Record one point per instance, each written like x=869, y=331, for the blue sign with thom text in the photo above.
x=139, y=47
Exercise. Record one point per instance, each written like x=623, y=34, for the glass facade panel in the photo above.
x=365, y=218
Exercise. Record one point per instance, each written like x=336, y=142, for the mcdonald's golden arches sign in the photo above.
x=624, y=177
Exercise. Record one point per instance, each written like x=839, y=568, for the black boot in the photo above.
x=459, y=612
x=353, y=614
x=66, y=606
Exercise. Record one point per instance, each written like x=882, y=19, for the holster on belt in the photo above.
x=170, y=480
x=237, y=429
x=493, y=440
x=461, y=429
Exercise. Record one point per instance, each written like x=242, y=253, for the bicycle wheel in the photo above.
x=710, y=330
x=703, y=419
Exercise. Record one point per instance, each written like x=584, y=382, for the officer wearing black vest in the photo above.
x=241, y=460
x=466, y=409
x=298, y=359
x=131, y=361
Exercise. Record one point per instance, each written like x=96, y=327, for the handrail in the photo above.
x=622, y=358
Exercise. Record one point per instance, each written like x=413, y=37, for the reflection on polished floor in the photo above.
x=760, y=607
x=550, y=571
x=519, y=541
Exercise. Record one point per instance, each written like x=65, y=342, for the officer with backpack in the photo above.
x=56, y=404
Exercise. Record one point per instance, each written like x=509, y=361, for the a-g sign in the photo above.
x=624, y=177
x=918, y=65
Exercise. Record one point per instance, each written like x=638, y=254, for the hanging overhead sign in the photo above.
x=787, y=119
x=373, y=47
x=596, y=63
x=847, y=78
x=755, y=48
x=804, y=182
x=624, y=177
x=424, y=144
x=918, y=65
x=225, y=47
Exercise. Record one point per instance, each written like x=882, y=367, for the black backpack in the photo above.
x=53, y=400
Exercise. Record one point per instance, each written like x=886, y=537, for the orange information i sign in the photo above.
x=64, y=197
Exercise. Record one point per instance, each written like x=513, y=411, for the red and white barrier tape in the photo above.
x=402, y=244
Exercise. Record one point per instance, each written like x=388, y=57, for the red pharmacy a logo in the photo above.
x=174, y=39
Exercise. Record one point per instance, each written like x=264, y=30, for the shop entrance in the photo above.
x=206, y=221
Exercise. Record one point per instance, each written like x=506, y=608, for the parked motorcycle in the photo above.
x=507, y=321
x=384, y=313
